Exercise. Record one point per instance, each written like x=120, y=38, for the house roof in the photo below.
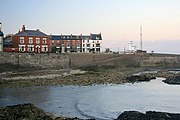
x=7, y=40
x=1, y=33
x=36, y=33
x=76, y=37
x=55, y=37
x=65, y=37
x=96, y=37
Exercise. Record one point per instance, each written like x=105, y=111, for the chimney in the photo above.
x=23, y=28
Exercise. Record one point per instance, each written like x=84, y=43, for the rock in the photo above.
x=173, y=80
x=140, y=78
x=27, y=112
x=149, y=115
x=131, y=115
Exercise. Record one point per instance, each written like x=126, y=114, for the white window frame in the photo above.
x=37, y=40
x=21, y=40
x=78, y=45
x=30, y=48
x=30, y=40
x=22, y=48
x=44, y=40
x=44, y=48
x=68, y=45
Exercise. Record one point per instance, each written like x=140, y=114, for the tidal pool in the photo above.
x=99, y=101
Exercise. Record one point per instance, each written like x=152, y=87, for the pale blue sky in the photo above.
x=117, y=20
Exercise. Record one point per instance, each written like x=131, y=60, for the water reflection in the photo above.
x=103, y=101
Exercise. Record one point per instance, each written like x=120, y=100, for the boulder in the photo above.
x=173, y=80
x=140, y=78
x=149, y=115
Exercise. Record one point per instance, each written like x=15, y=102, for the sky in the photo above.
x=117, y=20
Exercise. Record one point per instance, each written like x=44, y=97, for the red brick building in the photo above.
x=66, y=43
x=30, y=41
x=35, y=41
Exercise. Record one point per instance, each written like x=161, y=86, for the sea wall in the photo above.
x=58, y=61
x=160, y=61
x=74, y=60
x=36, y=60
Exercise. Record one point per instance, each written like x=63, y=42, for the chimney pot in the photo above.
x=23, y=28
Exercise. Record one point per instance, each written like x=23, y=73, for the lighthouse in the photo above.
x=1, y=38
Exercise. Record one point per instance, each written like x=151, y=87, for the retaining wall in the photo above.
x=73, y=60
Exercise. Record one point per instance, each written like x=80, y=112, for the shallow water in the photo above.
x=100, y=101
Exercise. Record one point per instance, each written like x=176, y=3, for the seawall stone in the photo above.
x=74, y=60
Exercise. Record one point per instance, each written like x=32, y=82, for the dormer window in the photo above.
x=97, y=38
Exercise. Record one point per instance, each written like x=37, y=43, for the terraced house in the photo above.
x=35, y=41
x=76, y=43
x=66, y=43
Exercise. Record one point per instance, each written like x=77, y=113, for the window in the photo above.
x=30, y=40
x=93, y=41
x=68, y=45
x=21, y=48
x=87, y=45
x=78, y=45
x=53, y=43
x=37, y=40
x=98, y=41
x=30, y=48
x=83, y=41
x=93, y=45
x=21, y=40
x=83, y=45
x=44, y=48
x=98, y=49
x=88, y=41
x=97, y=45
x=44, y=40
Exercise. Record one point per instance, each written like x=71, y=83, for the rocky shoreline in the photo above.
x=13, y=77
x=173, y=80
x=91, y=75
x=149, y=115
x=30, y=112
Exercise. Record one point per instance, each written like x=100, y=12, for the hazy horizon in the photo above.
x=117, y=20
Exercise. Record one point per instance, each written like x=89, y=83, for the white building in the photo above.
x=1, y=39
x=131, y=49
x=91, y=43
